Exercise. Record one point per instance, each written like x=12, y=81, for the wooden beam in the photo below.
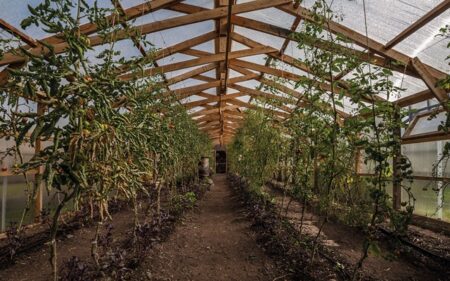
x=184, y=45
x=191, y=73
x=419, y=24
x=414, y=98
x=17, y=33
x=426, y=137
x=430, y=81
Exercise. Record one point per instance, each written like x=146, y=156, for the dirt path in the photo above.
x=213, y=243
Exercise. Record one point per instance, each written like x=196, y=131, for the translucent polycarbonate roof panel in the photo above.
x=427, y=45
x=172, y=36
x=201, y=3
x=175, y=58
x=210, y=74
x=236, y=46
x=185, y=83
x=131, y=3
x=232, y=73
x=206, y=47
x=258, y=59
x=388, y=18
x=14, y=12
x=191, y=98
x=249, y=84
x=271, y=16
x=260, y=37
x=385, y=18
x=158, y=15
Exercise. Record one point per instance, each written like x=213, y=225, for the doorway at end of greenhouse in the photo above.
x=221, y=161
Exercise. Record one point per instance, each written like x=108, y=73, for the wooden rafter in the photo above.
x=19, y=34
x=430, y=81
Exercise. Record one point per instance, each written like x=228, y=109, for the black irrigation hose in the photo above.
x=442, y=260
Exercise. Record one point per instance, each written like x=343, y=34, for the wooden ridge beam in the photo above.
x=439, y=9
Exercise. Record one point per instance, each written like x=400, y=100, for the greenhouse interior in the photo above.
x=224, y=140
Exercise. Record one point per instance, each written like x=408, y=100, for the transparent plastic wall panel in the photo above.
x=427, y=45
x=385, y=18
x=426, y=203
x=422, y=156
x=424, y=125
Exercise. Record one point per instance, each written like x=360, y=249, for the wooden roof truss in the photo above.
x=221, y=115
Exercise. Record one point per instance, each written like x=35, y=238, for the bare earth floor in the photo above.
x=213, y=243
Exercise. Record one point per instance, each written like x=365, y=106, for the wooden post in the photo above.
x=38, y=204
x=397, y=181
x=357, y=161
